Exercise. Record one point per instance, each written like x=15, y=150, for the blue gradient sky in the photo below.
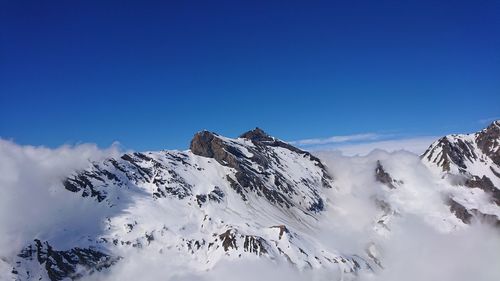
x=150, y=74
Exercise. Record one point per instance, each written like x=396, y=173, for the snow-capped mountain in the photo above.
x=472, y=163
x=247, y=197
x=256, y=197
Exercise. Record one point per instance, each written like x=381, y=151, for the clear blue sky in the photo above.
x=150, y=74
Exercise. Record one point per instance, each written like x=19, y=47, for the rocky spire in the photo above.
x=257, y=135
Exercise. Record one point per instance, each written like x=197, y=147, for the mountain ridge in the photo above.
x=472, y=161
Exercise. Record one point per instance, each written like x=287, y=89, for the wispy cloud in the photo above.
x=488, y=120
x=417, y=145
x=337, y=139
x=362, y=144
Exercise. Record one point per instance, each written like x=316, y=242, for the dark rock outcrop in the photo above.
x=488, y=140
x=456, y=150
x=228, y=239
x=452, y=153
x=257, y=135
x=73, y=264
x=467, y=216
x=208, y=144
x=383, y=177
x=486, y=185
x=283, y=229
x=460, y=211
x=255, y=244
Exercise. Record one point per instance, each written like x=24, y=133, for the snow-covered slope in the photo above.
x=471, y=162
x=250, y=197
x=255, y=198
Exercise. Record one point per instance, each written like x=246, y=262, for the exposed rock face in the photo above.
x=468, y=215
x=257, y=135
x=231, y=239
x=282, y=229
x=474, y=160
x=383, y=177
x=257, y=162
x=460, y=211
x=454, y=152
x=61, y=265
x=457, y=153
x=488, y=140
x=208, y=144
x=486, y=185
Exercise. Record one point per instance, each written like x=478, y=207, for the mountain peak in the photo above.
x=201, y=144
x=257, y=134
x=488, y=140
x=253, y=156
x=494, y=127
x=473, y=158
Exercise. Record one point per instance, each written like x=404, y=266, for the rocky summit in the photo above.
x=260, y=165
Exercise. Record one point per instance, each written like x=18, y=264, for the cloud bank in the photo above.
x=32, y=201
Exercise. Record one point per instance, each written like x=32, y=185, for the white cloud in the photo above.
x=32, y=200
x=425, y=242
x=362, y=144
x=416, y=145
x=488, y=120
x=418, y=252
x=337, y=139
